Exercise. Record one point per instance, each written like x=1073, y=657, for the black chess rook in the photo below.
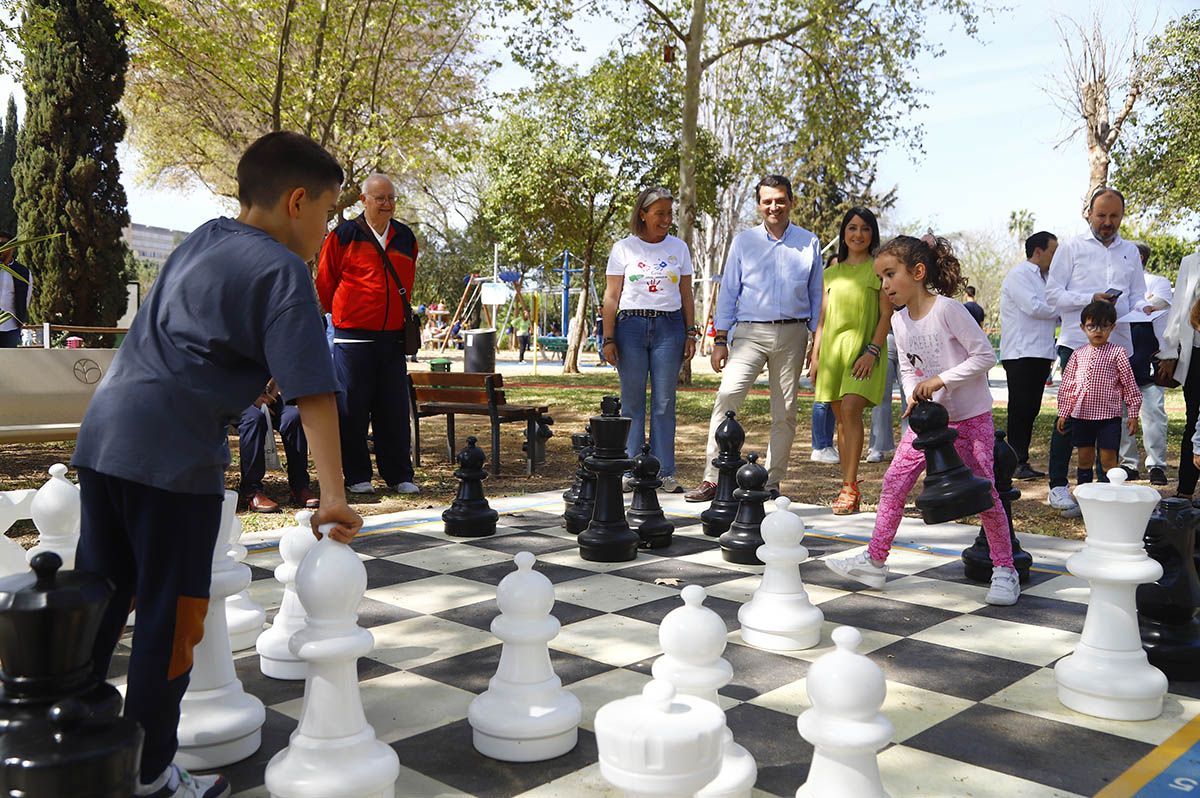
x=741, y=542
x=470, y=515
x=721, y=511
x=608, y=537
x=645, y=514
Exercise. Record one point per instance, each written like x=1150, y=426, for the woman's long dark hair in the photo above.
x=843, y=251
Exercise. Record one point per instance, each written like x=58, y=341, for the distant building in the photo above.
x=152, y=244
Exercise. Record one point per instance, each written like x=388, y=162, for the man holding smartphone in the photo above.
x=1097, y=267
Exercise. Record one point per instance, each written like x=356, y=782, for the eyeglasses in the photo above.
x=383, y=197
x=1097, y=327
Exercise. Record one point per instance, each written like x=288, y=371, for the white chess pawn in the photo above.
x=693, y=638
x=14, y=505
x=55, y=511
x=660, y=743
x=525, y=715
x=243, y=615
x=779, y=616
x=844, y=724
x=334, y=751
x=219, y=722
x=275, y=659
x=1109, y=675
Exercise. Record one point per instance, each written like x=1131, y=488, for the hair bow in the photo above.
x=929, y=238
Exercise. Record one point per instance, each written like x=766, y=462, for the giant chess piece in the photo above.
x=334, y=751
x=14, y=504
x=525, y=715
x=951, y=490
x=645, y=514
x=470, y=515
x=660, y=743
x=844, y=724
x=977, y=558
x=275, y=658
x=219, y=722
x=578, y=441
x=1167, y=609
x=608, y=537
x=721, y=511
x=61, y=730
x=243, y=615
x=579, y=513
x=780, y=616
x=55, y=511
x=1108, y=675
x=692, y=639
x=740, y=544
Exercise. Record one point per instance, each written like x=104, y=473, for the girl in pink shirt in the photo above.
x=944, y=357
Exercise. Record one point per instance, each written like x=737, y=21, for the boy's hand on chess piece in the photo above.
x=1131, y=424
x=337, y=512
x=1060, y=424
x=927, y=388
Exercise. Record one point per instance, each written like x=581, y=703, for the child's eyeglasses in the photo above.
x=1097, y=327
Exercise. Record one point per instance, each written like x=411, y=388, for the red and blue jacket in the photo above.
x=353, y=284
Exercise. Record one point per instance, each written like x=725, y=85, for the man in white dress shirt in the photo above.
x=1027, y=327
x=1147, y=343
x=1097, y=267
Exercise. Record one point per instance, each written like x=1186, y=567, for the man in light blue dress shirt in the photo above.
x=769, y=301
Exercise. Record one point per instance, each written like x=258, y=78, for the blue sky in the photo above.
x=990, y=128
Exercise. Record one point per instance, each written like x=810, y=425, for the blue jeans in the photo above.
x=881, y=415
x=651, y=346
x=823, y=425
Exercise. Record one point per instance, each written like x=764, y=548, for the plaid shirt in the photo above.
x=1095, y=381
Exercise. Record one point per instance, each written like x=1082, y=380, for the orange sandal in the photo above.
x=847, y=501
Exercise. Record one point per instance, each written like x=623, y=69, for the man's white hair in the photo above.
x=376, y=176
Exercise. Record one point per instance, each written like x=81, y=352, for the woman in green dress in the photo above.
x=851, y=343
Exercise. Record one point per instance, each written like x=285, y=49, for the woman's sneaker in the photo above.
x=1005, y=589
x=859, y=567
x=826, y=455
x=178, y=783
x=670, y=485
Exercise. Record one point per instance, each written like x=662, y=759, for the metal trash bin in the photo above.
x=439, y=364
x=479, y=350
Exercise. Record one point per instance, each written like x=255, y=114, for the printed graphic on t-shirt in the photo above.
x=651, y=276
x=925, y=354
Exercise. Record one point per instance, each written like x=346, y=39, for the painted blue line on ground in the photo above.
x=1181, y=777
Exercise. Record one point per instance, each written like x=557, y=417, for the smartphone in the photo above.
x=1114, y=292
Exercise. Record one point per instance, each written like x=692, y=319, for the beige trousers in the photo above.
x=781, y=348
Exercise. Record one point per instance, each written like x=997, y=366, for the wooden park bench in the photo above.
x=452, y=394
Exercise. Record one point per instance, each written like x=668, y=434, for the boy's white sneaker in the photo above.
x=1005, y=589
x=1061, y=498
x=361, y=488
x=405, y=487
x=859, y=567
x=175, y=782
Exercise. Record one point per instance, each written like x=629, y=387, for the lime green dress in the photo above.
x=851, y=314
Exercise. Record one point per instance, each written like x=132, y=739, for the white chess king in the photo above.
x=1108, y=675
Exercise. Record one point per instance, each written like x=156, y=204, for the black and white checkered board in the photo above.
x=970, y=687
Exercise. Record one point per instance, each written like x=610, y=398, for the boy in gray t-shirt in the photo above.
x=233, y=306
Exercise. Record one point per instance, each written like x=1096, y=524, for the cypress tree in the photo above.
x=67, y=177
x=8, y=158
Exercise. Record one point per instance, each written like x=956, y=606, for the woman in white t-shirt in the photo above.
x=648, y=324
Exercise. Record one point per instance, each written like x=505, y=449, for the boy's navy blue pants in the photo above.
x=375, y=379
x=157, y=548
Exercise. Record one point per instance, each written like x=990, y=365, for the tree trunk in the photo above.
x=693, y=47
x=580, y=323
x=1098, y=161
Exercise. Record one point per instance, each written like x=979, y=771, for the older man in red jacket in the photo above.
x=366, y=296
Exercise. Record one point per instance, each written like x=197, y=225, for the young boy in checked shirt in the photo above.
x=1097, y=379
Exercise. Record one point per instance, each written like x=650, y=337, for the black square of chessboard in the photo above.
x=516, y=542
x=686, y=571
x=493, y=573
x=683, y=545
x=881, y=614
x=532, y=519
x=481, y=614
x=946, y=670
x=782, y=756
x=248, y=773
x=474, y=669
x=1040, y=611
x=654, y=611
x=822, y=546
x=446, y=754
x=953, y=572
x=389, y=544
x=381, y=573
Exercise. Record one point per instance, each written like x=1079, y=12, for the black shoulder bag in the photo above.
x=411, y=334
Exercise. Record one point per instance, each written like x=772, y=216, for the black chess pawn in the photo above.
x=1167, y=609
x=61, y=730
x=741, y=542
x=720, y=513
x=977, y=558
x=470, y=515
x=578, y=441
x=645, y=514
x=578, y=514
x=951, y=490
x=608, y=537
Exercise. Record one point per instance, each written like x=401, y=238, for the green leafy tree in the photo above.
x=385, y=87
x=1166, y=248
x=1020, y=224
x=67, y=177
x=1159, y=166
x=8, y=159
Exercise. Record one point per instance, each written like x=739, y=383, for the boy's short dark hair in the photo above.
x=774, y=181
x=1098, y=312
x=281, y=161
